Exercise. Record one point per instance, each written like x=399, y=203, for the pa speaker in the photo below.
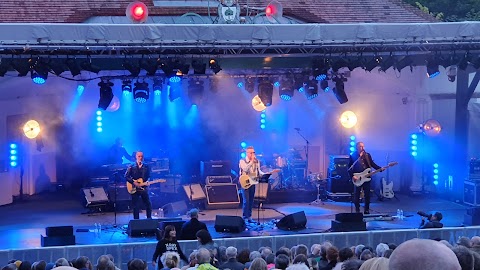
x=293, y=221
x=349, y=217
x=52, y=241
x=175, y=209
x=232, y=224
x=338, y=226
x=59, y=231
x=140, y=227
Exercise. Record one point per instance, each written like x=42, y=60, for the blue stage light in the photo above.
x=243, y=155
x=353, y=138
x=174, y=79
x=99, y=129
x=243, y=144
x=276, y=84
x=262, y=126
x=13, y=164
x=240, y=85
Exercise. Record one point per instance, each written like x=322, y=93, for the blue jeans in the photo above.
x=248, y=196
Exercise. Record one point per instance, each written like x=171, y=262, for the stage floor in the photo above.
x=23, y=222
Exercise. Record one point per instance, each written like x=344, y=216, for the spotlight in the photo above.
x=183, y=69
x=370, y=65
x=140, y=92
x=175, y=79
x=265, y=92
x=199, y=67
x=324, y=86
x=300, y=81
x=311, y=90
x=73, y=67
x=174, y=93
x=58, y=67
x=167, y=68
x=22, y=67
x=150, y=66
x=250, y=85
x=88, y=66
x=157, y=86
x=286, y=89
x=339, y=90
x=214, y=66
x=137, y=12
x=452, y=73
x=126, y=87
x=38, y=78
x=195, y=91
x=320, y=69
x=432, y=67
x=132, y=68
x=106, y=94
x=39, y=73
x=403, y=62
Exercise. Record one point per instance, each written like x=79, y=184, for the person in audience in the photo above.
x=377, y=263
x=464, y=241
x=232, y=262
x=433, y=221
x=343, y=255
x=392, y=246
x=380, y=249
x=284, y=251
x=353, y=264
x=270, y=261
x=83, y=263
x=301, y=249
x=293, y=252
x=244, y=256
x=104, y=263
x=40, y=265
x=464, y=256
x=476, y=260
x=359, y=250
x=258, y=264
x=192, y=261
x=205, y=241
x=203, y=259
x=322, y=262
x=170, y=260
x=222, y=255
x=315, y=251
x=281, y=262
x=137, y=264
x=475, y=244
x=301, y=258
x=168, y=243
x=110, y=256
x=366, y=255
x=10, y=266
x=265, y=251
x=332, y=256
x=252, y=256
x=423, y=254
x=446, y=243
x=387, y=253
x=299, y=266
x=191, y=227
x=313, y=264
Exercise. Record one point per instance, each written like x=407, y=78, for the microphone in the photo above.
x=297, y=129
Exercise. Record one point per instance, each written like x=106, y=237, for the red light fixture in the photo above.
x=137, y=12
x=274, y=11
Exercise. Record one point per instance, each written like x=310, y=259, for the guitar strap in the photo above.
x=367, y=157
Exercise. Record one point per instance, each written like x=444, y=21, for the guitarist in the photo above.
x=359, y=161
x=251, y=167
x=136, y=171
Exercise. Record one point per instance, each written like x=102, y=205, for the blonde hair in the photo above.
x=170, y=259
x=378, y=263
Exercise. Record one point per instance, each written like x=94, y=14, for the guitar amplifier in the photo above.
x=95, y=196
x=218, y=180
x=222, y=196
x=215, y=167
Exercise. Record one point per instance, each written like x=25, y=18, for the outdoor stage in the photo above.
x=23, y=222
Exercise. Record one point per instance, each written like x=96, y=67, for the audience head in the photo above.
x=253, y=255
x=231, y=252
x=203, y=256
x=327, y=244
x=475, y=241
x=136, y=264
x=10, y=266
x=193, y=213
x=284, y=251
x=301, y=249
x=170, y=259
x=282, y=261
x=366, y=255
x=380, y=249
x=40, y=265
x=204, y=237
x=353, y=264
x=170, y=232
x=378, y=263
x=222, y=254
x=244, y=256
x=102, y=262
x=315, y=250
x=193, y=258
x=437, y=216
x=464, y=256
x=345, y=254
x=270, y=259
x=388, y=253
x=464, y=241
x=298, y=266
x=258, y=264
x=421, y=254
x=358, y=250
x=82, y=262
x=392, y=246
x=265, y=252
x=301, y=258
x=332, y=254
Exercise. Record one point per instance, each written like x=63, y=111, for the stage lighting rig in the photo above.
x=311, y=90
x=106, y=94
x=126, y=86
x=132, y=68
x=214, y=66
x=199, y=67
x=141, y=92
x=265, y=91
x=432, y=67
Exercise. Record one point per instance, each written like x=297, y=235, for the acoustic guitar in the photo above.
x=132, y=188
x=246, y=181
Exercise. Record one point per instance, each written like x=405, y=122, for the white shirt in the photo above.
x=250, y=168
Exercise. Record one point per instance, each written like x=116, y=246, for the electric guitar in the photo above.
x=387, y=190
x=367, y=174
x=246, y=181
x=132, y=188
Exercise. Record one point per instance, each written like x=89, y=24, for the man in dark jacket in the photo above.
x=191, y=227
x=433, y=221
x=232, y=262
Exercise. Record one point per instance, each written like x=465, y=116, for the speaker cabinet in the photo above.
x=293, y=221
x=59, y=231
x=53, y=241
x=349, y=217
x=194, y=192
x=175, y=209
x=338, y=176
x=232, y=224
x=222, y=196
x=141, y=227
x=348, y=222
x=95, y=196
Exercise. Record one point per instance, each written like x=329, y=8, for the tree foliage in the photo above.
x=450, y=10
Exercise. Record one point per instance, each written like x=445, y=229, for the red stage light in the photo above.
x=270, y=10
x=274, y=11
x=137, y=12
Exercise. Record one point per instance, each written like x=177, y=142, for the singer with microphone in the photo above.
x=139, y=171
x=249, y=166
x=360, y=160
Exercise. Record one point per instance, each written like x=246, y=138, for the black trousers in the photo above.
x=143, y=195
x=366, y=193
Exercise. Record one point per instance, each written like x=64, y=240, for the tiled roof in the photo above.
x=313, y=11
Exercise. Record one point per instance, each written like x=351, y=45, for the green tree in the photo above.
x=449, y=10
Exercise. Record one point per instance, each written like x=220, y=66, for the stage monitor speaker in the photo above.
x=293, y=221
x=95, y=196
x=194, y=192
x=222, y=196
x=59, y=231
x=175, y=209
x=261, y=191
x=52, y=241
x=232, y=224
x=338, y=226
x=349, y=217
x=141, y=227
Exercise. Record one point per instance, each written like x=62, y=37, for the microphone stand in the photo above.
x=306, y=152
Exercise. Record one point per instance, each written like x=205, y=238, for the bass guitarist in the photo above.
x=359, y=161
x=249, y=166
x=139, y=170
